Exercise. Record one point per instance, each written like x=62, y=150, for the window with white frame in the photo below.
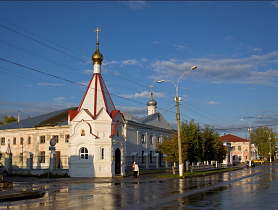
x=42, y=157
x=29, y=140
x=21, y=140
x=42, y=139
x=83, y=153
x=56, y=137
x=143, y=139
x=158, y=140
x=2, y=141
x=151, y=139
x=14, y=140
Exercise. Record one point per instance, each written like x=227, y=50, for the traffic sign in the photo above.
x=52, y=148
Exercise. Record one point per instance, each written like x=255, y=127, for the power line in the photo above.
x=55, y=62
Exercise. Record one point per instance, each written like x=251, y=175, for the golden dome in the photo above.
x=97, y=57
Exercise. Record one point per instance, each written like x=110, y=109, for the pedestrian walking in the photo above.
x=135, y=170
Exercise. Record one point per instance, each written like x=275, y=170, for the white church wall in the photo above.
x=134, y=138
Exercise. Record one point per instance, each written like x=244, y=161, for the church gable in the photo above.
x=103, y=116
x=83, y=130
x=116, y=130
x=83, y=114
x=116, y=115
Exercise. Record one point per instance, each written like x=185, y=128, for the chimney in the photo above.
x=18, y=117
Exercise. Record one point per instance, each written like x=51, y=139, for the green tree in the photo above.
x=221, y=151
x=210, y=148
x=265, y=139
x=191, y=141
x=198, y=145
x=212, y=145
x=8, y=120
x=169, y=147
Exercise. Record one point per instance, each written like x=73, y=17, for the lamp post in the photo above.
x=178, y=99
x=269, y=137
x=249, y=129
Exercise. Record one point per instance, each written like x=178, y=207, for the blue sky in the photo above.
x=46, y=48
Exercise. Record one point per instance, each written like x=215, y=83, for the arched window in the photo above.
x=83, y=153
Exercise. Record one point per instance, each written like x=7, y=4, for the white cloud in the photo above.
x=113, y=62
x=229, y=37
x=144, y=60
x=136, y=4
x=155, y=42
x=257, y=49
x=129, y=62
x=144, y=94
x=84, y=84
x=31, y=108
x=133, y=110
x=249, y=70
x=59, y=99
x=88, y=71
x=275, y=3
x=178, y=47
x=49, y=84
x=213, y=103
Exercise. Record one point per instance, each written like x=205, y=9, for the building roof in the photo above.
x=155, y=119
x=59, y=117
x=232, y=138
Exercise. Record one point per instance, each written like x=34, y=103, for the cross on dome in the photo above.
x=97, y=57
x=98, y=30
x=151, y=86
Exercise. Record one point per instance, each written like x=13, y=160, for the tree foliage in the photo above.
x=198, y=145
x=169, y=147
x=7, y=120
x=214, y=148
x=191, y=141
x=265, y=139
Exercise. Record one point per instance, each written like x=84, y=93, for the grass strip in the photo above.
x=197, y=173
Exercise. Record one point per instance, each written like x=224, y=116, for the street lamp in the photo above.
x=269, y=137
x=178, y=99
x=249, y=129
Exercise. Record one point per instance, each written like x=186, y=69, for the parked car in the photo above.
x=3, y=170
x=259, y=161
x=252, y=163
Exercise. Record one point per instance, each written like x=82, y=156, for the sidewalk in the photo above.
x=23, y=184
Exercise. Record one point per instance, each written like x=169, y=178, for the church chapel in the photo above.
x=97, y=139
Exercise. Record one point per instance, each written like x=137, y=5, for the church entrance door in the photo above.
x=117, y=161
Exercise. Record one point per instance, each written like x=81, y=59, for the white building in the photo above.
x=98, y=140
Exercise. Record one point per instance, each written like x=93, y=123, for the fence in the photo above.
x=145, y=162
x=207, y=167
x=61, y=162
x=39, y=162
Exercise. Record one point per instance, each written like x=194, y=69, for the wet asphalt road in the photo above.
x=255, y=188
